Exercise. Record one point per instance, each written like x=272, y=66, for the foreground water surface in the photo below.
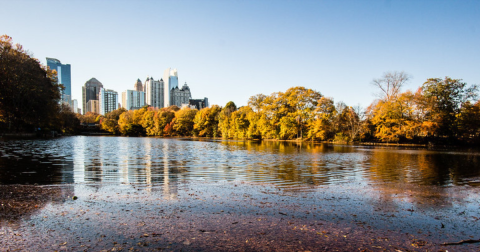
x=214, y=195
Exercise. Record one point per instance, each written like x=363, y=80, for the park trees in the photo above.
x=321, y=128
x=283, y=115
x=225, y=120
x=29, y=92
x=183, y=123
x=206, y=122
x=130, y=122
x=442, y=101
x=110, y=121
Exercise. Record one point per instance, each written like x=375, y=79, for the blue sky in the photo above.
x=231, y=50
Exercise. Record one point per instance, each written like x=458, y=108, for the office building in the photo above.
x=92, y=106
x=154, y=92
x=74, y=105
x=132, y=99
x=64, y=77
x=139, y=86
x=90, y=92
x=107, y=101
x=180, y=96
x=170, y=77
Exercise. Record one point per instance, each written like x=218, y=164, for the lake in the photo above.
x=200, y=194
x=84, y=159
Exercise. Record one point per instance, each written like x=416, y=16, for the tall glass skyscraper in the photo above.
x=64, y=77
x=170, y=78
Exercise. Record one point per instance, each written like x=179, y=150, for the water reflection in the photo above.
x=157, y=161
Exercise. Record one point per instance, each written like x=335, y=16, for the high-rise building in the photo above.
x=154, y=92
x=180, y=96
x=132, y=99
x=107, y=101
x=139, y=86
x=74, y=105
x=90, y=92
x=64, y=77
x=92, y=106
x=170, y=77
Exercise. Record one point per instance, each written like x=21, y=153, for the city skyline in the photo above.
x=234, y=50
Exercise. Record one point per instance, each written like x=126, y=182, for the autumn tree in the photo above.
x=183, y=123
x=206, y=122
x=469, y=122
x=29, y=92
x=88, y=118
x=130, y=122
x=110, y=121
x=443, y=101
x=225, y=121
x=321, y=128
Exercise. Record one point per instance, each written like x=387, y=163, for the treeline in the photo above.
x=442, y=110
x=30, y=94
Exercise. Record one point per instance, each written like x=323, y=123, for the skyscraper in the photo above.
x=170, y=77
x=107, y=101
x=139, y=86
x=64, y=77
x=90, y=92
x=74, y=105
x=154, y=92
x=132, y=99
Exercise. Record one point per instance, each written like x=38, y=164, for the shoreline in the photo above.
x=235, y=216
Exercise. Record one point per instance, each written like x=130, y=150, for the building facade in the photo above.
x=90, y=91
x=107, y=101
x=132, y=99
x=154, y=92
x=180, y=96
x=92, y=106
x=74, y=105
x=64, y=77
x=199, y=103
x=139, y=86
x=170, y=77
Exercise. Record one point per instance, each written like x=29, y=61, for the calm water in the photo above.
x=155, y=161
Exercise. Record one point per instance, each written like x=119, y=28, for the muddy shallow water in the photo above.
x=96, y=193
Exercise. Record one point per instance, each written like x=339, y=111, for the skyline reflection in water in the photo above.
x=157, y=161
